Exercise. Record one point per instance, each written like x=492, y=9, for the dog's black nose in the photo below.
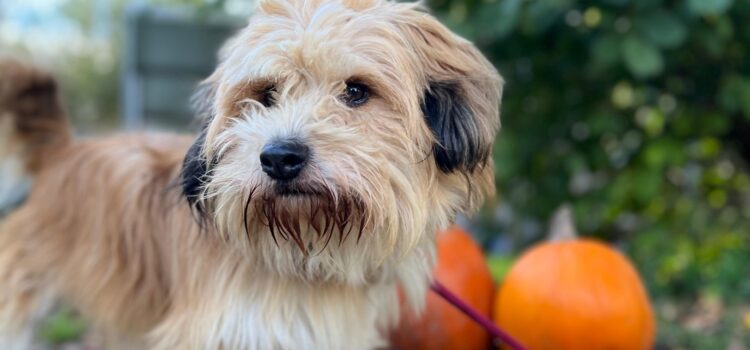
x=284, y=160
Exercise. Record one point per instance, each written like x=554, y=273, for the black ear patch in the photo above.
x=194, y=167
x=459, y=145
x=194, y=172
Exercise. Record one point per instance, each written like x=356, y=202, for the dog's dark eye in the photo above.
x=356, y=94
x=267, y=96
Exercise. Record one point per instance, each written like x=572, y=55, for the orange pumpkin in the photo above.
x=462, y=269
x=572, y=293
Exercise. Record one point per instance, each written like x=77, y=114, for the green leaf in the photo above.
x=499, y=266
x=734, y=94
x=664, y=152
x=647, y=184
x=499, y=18
x=709, y=7
x=651, y=120
x=706, y=148
x=63, y=326
x=662, y=29
x=604, y=50
x=616, y=2
x=541, y=15
x=641, y=58
x=646, y=4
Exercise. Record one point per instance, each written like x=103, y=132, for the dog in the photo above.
x=338, y=137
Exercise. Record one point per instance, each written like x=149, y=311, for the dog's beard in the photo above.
x=290, y=212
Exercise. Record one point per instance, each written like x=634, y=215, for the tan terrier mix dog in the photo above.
x=339, y=136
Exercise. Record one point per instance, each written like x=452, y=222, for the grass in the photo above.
x=64, y=326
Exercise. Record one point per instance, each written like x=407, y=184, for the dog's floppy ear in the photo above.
x=461, y=96
x=459, y=143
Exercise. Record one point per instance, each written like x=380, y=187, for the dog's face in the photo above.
x=341, y=134
x=29, y=113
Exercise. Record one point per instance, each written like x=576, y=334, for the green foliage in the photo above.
x=709, y=7
x=638, y=113
x=499, y=266
x=64, y=326
x=642, y=58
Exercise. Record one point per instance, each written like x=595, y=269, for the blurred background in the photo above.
x=637, y=112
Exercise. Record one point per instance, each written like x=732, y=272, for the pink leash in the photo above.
x=483, y=321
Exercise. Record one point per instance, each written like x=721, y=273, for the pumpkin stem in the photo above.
x=562, y=227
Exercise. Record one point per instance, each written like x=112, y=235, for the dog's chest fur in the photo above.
x=253, y=309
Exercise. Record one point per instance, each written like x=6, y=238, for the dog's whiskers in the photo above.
x=245, y=212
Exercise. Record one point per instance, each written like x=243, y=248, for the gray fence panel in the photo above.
x=167, y=52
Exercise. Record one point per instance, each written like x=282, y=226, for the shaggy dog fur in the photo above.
x=167, y=245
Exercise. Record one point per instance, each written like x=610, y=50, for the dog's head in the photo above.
x=31, y=122
x=341, y=134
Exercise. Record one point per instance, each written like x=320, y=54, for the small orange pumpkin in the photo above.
x=462, y=269
x=575, y=294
